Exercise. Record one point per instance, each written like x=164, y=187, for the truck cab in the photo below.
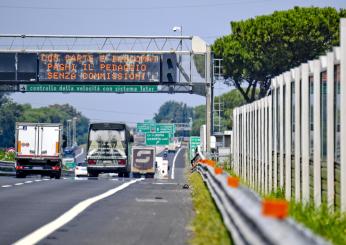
x=108, y=148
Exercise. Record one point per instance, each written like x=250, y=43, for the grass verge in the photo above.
x=331, y=225
x=321, y=220
x=207, y=225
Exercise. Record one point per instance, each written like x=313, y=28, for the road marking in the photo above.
x=19, y=184
x=6, y=186
x=37, y=180
x=175, y=158
x=49, y=228
x=28, y=182
x=80, y=153
x=150, y=200
x=45, y=179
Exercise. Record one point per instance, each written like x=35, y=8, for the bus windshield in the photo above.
x=107, y=143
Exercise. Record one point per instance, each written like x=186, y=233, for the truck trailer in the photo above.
x=38, y=149
x=143, y=161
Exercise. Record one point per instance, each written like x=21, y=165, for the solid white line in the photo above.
x=28, y=182
x=80, y=153
x=45, y=179
x=19, y=184
x=37, y=180
x=6, y=186
x=175, y=158
x=49, y=228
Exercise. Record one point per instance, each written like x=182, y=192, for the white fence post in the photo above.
x=297, y=134
x=266, y=123
x=330, y=129
x=305, y=131
x=343, y=113
x=281, y=123
x=257, y=146
x=270, y=175
x=275, y=133
x=252, y=143
x=247, y=143
x=243, y=168
x=235, y=138
x=317, y=132
x=288, y=78
x=262, y=143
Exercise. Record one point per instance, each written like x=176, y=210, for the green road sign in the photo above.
x=143, y=127
x=157, y=138
x=156, y=128
x=83, y=88
x=165, y=128
x=194, y=142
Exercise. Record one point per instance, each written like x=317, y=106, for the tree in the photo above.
x=173, y=112
x=9, y=112
x=198, y=119
x=263, y=47
x=230, y=101
x=58, y=114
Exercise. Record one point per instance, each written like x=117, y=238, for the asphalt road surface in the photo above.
x=104, y=210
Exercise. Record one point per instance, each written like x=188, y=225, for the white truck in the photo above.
x=38, y=149
x=143, y=161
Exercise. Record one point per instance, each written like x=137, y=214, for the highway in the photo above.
x=117, y=210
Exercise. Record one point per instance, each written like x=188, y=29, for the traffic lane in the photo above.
x=179, y=166
x=26, y=208
x=11, y=180
x=180, y=160
x=148, y=212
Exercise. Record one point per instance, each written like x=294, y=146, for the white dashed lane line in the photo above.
x=6, y=186
x=26, y=182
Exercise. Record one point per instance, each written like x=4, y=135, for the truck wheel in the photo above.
x=120, y=174
x=57, y=176
x=126, y=174
x=136, y=175
x=19, y=175
x=93, y=174
x=149, y=176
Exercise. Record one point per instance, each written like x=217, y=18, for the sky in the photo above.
x=208, y=19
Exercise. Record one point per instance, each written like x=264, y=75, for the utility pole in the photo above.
x=209, y=98
x=68, y=133
x=74, y=131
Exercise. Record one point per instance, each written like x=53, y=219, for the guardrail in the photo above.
x=242, y=212
x=7, y=168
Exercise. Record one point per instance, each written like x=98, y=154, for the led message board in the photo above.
x=98, y=67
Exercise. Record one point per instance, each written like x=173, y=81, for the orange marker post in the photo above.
x=275, y=208
x=211, y=163
x=233, y=181
x=218, y=170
